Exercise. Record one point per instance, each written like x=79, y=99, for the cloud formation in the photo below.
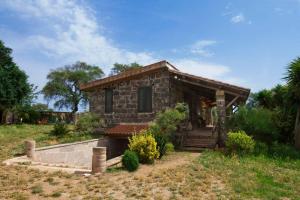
x=74, y=33
x=200, y=47
x=238, y=18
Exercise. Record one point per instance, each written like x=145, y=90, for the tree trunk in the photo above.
x=74, y=113
x=297, y=130
x=1, y=116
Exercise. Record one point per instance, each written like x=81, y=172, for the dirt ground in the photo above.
x=176, y=176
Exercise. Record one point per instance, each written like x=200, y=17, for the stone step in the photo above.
x=195, y=149
x=199, y=141
x=197, y=136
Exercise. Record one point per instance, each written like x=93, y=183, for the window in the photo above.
x=108, y=100
x=145, y=99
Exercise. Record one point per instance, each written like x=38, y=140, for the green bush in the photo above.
x=166, y=123
x=145, y=146
x=130, y=160
x=60, y=129
x=239, y=143
x=260, y=148
x=161, y=141
x=169, y=147
x=87, y=122
x=283, y=151
x=258, y=122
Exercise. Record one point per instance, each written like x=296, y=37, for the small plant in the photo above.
x=56, y=194
x=169, y=147
x=87, y=122
x=60, y=129
x=130, y=160
x=161, y=141
x=145, y=146
x=37, y=189
x=239, y=143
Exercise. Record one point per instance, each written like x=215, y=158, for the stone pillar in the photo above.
x=99, y=159
x=221, y=111
x=30, y=149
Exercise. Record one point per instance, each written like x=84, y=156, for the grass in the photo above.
x=37, y=189
x=208, y=176
x=261, y=177
x=12, y=138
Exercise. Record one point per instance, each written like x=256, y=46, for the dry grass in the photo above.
x=177, y=176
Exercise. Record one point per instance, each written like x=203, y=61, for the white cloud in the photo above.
x=238, y=18
x=74, y=34
x=204, y=69
x=199, y=47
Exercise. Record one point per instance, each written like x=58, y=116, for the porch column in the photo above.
x=221, y=110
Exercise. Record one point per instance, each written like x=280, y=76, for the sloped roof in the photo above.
x=129, y=74
x=125, y=129
x=181, y=76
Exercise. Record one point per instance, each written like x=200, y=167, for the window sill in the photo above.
x=141, y=113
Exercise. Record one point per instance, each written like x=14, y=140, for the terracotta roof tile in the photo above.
x=126, y=129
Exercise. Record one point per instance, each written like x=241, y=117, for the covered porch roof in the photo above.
x=207, y=88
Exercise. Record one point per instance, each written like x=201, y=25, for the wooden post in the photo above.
x=30, y=149
x=99, y=159
x=221, y=110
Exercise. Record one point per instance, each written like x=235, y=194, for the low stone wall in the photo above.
x=78, y=154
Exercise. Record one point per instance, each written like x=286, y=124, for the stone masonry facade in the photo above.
x=125, y=98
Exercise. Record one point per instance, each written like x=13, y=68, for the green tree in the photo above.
x=119, y=68
x=14, y=86
x=293, y=81
x=63, y=85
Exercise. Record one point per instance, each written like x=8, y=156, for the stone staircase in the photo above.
x=198, y=140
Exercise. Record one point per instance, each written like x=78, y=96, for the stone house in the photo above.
x=130, y=100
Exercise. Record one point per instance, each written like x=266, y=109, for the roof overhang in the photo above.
x=230, y=89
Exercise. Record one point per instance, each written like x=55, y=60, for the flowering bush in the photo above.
x=239, y=143
x=145, y=146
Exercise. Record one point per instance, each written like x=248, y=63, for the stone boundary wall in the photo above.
x=77, y=154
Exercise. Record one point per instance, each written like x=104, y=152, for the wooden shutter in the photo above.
x=145, y=99
x=108, y=100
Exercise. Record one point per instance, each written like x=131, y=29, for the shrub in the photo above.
x=166, y=122
x=145, y=146
x=130, y=160
x=278, y=150
x=258, y=122
x=169, y=147
x=161, y=141
x=87, y=122
x=239, y=143
x=260, y=148
x=60, y=129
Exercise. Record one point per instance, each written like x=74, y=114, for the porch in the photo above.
x=210, y=103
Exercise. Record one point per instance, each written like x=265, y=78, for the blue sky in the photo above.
x=248, y=43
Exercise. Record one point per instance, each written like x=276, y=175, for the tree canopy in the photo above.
x=63, y=85
x=14, y=86
x=119, y=68
x=293, y=81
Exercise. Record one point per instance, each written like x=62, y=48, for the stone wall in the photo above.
x=125, y=101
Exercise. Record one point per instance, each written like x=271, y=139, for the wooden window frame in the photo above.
x=106, y=110
x=145, y=109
